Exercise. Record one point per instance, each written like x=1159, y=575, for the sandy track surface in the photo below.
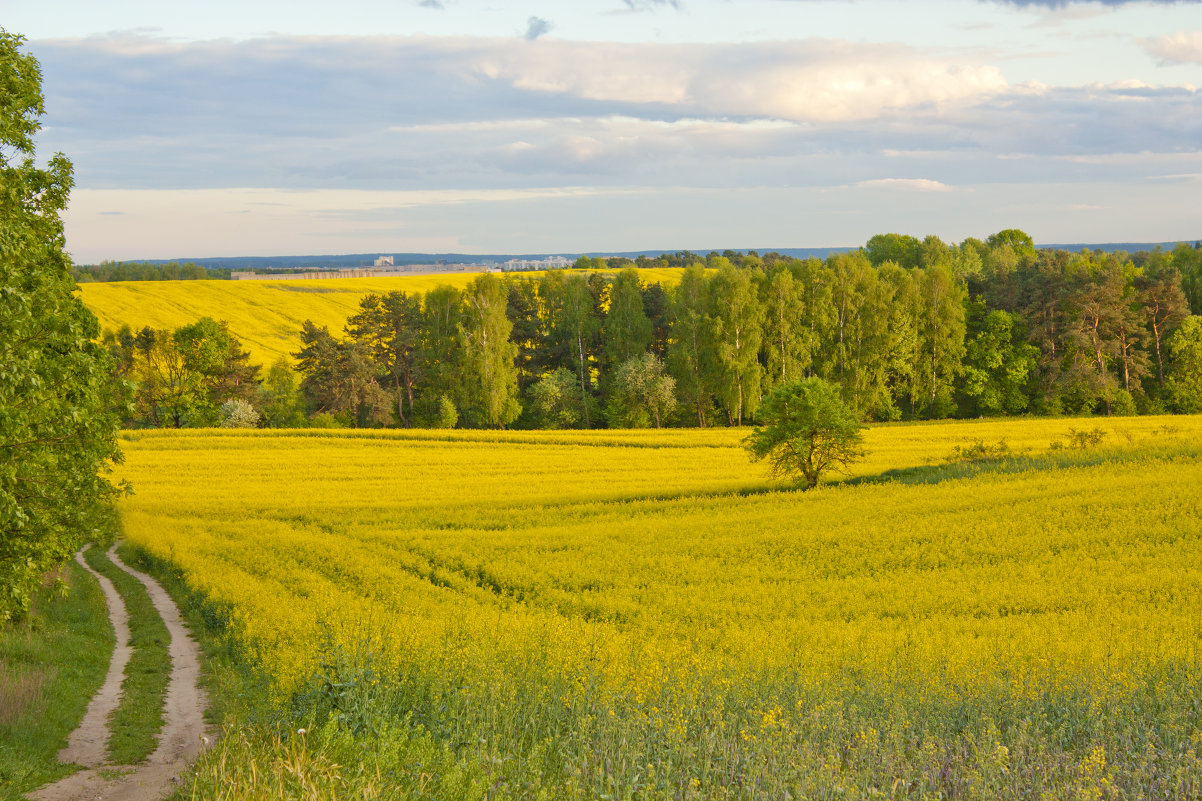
x=180, y=741
x=86, y=746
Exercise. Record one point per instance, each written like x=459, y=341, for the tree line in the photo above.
x=906, y=328
x=107, y=271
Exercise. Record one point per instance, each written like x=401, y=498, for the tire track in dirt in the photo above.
x=87, y=744
x=183, y=734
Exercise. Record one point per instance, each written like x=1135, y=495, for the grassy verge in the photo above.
x=50, y=666
x=135, y=724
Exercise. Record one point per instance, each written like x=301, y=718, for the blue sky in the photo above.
x=221, y=128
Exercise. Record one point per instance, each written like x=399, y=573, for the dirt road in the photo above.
x=180, y=741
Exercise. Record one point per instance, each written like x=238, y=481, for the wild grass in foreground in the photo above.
x=135, y=725
x=50, y=665
x=1016, y=629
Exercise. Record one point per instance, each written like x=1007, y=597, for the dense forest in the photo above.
x=145, y=271
x=908, y=329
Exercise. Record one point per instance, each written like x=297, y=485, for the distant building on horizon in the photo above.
x=549, y=263
x=307, y=275
x=384, y=268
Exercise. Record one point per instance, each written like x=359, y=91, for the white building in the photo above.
x=549, y=263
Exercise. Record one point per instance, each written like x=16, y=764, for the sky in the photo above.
x=217, y=128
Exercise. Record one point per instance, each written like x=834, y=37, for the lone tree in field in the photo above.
x=807, y=430
x=57, y=431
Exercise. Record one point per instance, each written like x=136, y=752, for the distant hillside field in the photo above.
x=266, y=316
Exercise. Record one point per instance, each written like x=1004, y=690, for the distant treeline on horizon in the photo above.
x=221, y=268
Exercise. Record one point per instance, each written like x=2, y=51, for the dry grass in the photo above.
x=21, y=688
x=55, y=576
x=20, y=691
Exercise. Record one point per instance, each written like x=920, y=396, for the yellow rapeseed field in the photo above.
x=613, y=614
x=266, y=316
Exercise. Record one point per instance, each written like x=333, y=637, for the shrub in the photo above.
x=237, y=413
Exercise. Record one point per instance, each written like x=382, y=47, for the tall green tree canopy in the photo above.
x=57, y=432
x=628, y=332
x=491, y=376
x=690, y=351
x=738, y=319
x=1185, y=380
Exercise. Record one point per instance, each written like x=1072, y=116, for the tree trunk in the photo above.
x=583, y=387
x=934, y=376
x=1126, y=363
x=400, y=400
x=1159, y=365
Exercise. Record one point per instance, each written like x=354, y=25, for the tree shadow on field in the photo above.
x=1023, y=463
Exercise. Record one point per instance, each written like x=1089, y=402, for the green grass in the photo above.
x=135, y=725
x=50, y=666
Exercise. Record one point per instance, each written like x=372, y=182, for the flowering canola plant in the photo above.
x=644, y=614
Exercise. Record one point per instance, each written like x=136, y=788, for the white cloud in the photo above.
x=619, y=143
x=909, y=184
x=811, y=80
x=1177, y=48
x=649, y=5
x=1193, y=177
x=1140, y=158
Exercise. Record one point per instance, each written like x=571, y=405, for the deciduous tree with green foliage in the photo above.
x=738, y=320
x=555, y=400
x=784, y=313
x=185, y=375
x=1164, y=307
x=1185, y=377
x=941, y=330
x=806, y=430
x=641, y=392
x=280, y=397
x=490, y=372
x=627, y=329
x=997, y=366
x=690, y=351
x=574, y=327
x=901, y=249
x=57, y=427
x=441, y=356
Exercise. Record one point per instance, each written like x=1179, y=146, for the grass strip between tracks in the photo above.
x=135, y=726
